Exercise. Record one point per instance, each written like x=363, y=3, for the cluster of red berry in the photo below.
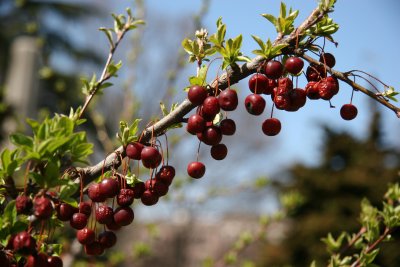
x=92, y=211
x=270, y=80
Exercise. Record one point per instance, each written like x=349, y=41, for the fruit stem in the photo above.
x=166, y=144
x=369, y=75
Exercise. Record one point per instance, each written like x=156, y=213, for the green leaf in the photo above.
x=108, y=33
x=163, y=109
x=186, y=44
x=282, y=12
x=271, y=18
x=51, y=174
x=68, y=190
x=259, y=42
x=22, y=140
x=10, y=212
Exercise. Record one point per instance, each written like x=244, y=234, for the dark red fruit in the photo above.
x=125, y=197
x=282, y=102
x=273, y=69
x=78, y=221
x=138, y=189
x=197, y=94
x=348, y=112
x=149, y=198
x=210, y=106
x=212, y=135
x=195, y=124
x=219, y=151
x=328, y=59
x=85, y=236
x=54, y=261
x=312, y=90
x=23, y=204
x=227, y=127
x=166, y=174
x=65, y=211
x=294, y=65
x=228, y=100
x=270, y=87
x=328, y=87
x=156, y=186
x=271, y=126
x=24, y=243
x=4, y=261
x=85, y=208
x=95, y=194
x=196, y=169
x=151, y=158
x=107, y=239
x=113, y=226
x=315, y=73
x=133, y=150
x=104, y=214
x=255, y=104
x=123, y=216
x=109, y=187
x=42, y=208
x=39, y=260
x=258, y=83
x=298, y=98
x=94, y=249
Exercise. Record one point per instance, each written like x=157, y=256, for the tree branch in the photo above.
x=344, y=76
x=233, y=75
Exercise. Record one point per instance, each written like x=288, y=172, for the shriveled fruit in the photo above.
x=125, y=197
x=312, y=90
x=166, y=174
x=42, y=207
x=104, y=214
x=23, y=204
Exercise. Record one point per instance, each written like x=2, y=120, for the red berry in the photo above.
x=125, y=197
x=227, y=126
x=113, y=226
x=315, y=73
x=38, y=260
x=24, y=243
x=196, y=169
x=270, y=87
x=348, y=112
x=94, y=249
x=328, y=87
x=219, y=151
x=54, y=261
x=104, y=214
x=157, y=187
x=85, y=208
x=210, y=106
x=65, y=211
x=195, y=124
x=166, y=174
x=43, y=209
x=271, y=126
x=312, y=90
x=328, y=59
x=123, y=216
x=133, y=150
x=212, y=135
x=228, y=100
x=197, y=94
x=294, y=65
x=24, y=204
x=109, y=187
x=151, y=158
x=107, y=239
x=273, y=69
x=255, y=104
x=138, y=189
x=258, y=83
x=94, y=193
x=85, y=236
x=78, y=221
x=298, y=98
x=149, y=198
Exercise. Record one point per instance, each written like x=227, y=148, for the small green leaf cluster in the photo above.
x=284, y=23
x=199, y=48
x=267, y=50
x=325, y=28
x=376, y=227
x=128, y=133
x=165, y=112
x=55, y=144
x=390, y=93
